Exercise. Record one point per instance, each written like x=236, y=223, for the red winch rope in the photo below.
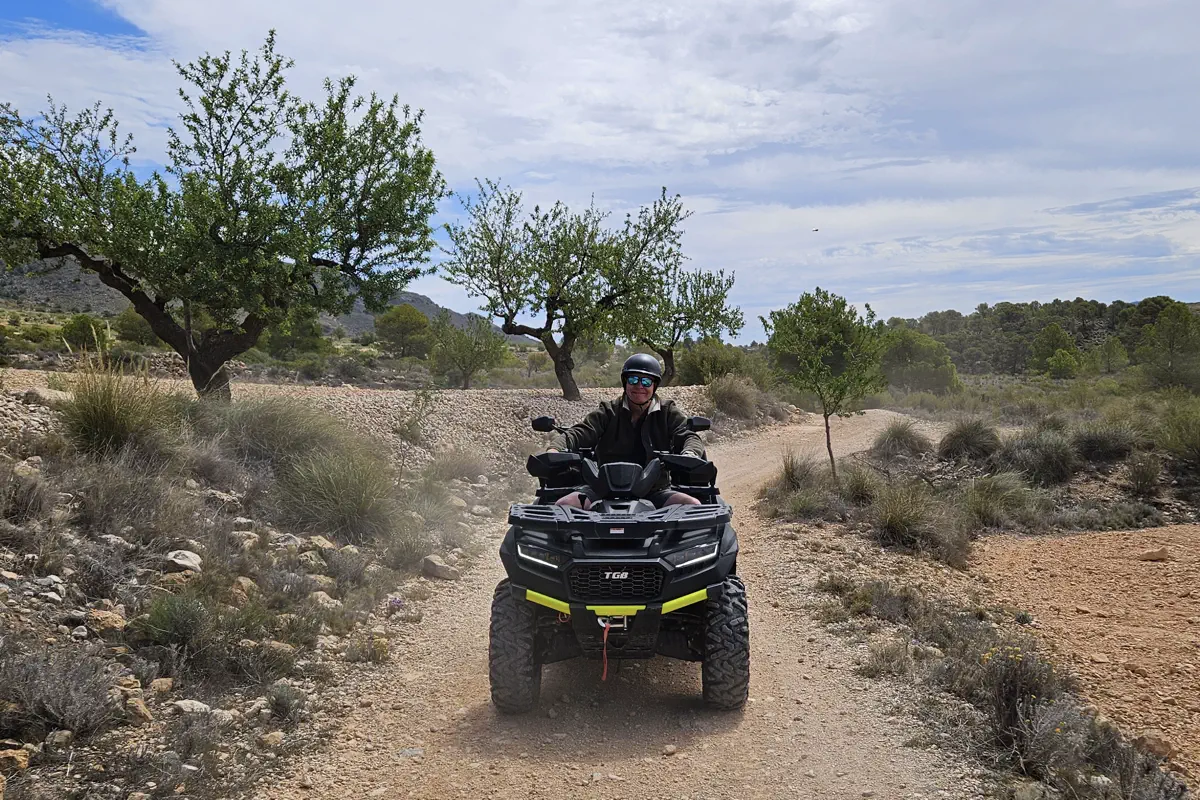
x=604, y=674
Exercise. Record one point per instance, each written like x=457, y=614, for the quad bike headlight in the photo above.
x=540, y=555
x=693, y=555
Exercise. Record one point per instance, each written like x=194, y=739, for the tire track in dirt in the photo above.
x=422, y=726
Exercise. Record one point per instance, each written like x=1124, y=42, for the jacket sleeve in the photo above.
x=583, y=434
x=687, y=441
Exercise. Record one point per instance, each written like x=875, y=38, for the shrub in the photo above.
x=900, y=438
x=991, y=501
x=1045, y=457
x=1179, y=429
x=801, y=472
x=971, y=438
x=1104, y=442
x=373, y=649
x=734, y=396
x=181, y=620
x=286, y=701
x=279, y=430
x=1142, y=472
x=131, y=326
x=347, y=493
x=893, y=657
x=64, y=689
x=909, y=516
x=108, y=413
x=85, y=332
x=131, y=491
x=23, y=497
x=450, y=464
x=859, y=485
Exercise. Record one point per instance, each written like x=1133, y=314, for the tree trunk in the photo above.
x=668, y=357
x=210, y=379
x=564, y=364
x=829, y=447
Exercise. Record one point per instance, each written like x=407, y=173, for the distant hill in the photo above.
x=70, y=289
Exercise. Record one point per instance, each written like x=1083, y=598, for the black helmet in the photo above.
x=642, y=364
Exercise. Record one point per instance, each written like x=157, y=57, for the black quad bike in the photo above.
x=622, y=580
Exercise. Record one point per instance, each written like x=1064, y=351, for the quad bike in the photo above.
x=622, y=580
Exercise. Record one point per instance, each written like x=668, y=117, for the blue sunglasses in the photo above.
x=634, y=380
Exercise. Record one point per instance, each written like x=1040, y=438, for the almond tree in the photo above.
x=271, y=207
x=559, y=275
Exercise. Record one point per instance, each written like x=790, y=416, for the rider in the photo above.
x=630, y=429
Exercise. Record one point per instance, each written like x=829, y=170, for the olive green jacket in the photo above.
x=611, y=431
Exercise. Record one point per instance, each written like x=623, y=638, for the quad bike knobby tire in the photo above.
x=726, y=670
x=516, y=676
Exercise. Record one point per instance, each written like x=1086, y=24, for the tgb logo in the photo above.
x=616, y=576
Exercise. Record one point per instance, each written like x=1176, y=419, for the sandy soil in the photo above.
x=422, y=726
x=1131, y=628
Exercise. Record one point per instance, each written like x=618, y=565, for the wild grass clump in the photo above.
x=23, y=497
x=900, y=438
x=858, y=485
x=462, y=464
x=1104, y=442
x=109, y=413
x=1142, y=473
x=803, y=489
x=1046, y=457
x=992, y=501
x=908, y=515
x=55, y=689
x=347, y=493
x=1179, y=429
x=278, y=430
x=286, y=701
x=801, y=472
x=128, y=495
x=972, y=439
x=734, y=396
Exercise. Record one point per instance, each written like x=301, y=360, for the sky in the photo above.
x=947, y=152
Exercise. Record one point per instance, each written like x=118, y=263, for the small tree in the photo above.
x=707, y=359
x=914, y=361
x=1111, y=355
x=561, y=266
x=826, y=348
x=683, y=303
x=85, y=332
x=275, y=205
x=404, y=331
x=465, y=352
x=536, y=362
x=132, y=327
x=1062, y=364
x=1049, y=341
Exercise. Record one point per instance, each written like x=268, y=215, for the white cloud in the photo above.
x=934, y=143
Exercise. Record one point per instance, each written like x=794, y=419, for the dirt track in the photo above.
x=422, y=726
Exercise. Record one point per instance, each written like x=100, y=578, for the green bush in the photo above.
x=910, y=516
x=131, y=326
x=1104, y=442
x=971, y=438
x=347, y=493
x=1179, y=428
x=900, y=437
x=993, y=500
x=277, y=430
x=109, y=412
x=858, y=485
x=85, y=332
x=1044, y=457
x=1143, y=472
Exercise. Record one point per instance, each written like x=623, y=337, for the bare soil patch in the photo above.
x=1129, y=627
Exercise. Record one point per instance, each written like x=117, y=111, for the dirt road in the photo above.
x=422, y=726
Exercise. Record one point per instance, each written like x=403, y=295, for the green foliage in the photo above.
x=347, y=493
x=296, y=336
x=85, y=332
x=734, y=395
x=1101, y=442
x=131, y=326
x=109, y=412
x=974, y=439
x=1111, y=355
x=465, y=352
x=710, y=358
x=1170, y=348
x=403, y=331
x=992, y=500
x=1062, y=364
x=900, y=437
x=1045, y=457
x=276, y=206
x=825, y=347
x=1179, y=428
x=536, y=362
x=908, y=515
x=564, y=267
x=1046, y=345
x=917, y=362
x=683, y=303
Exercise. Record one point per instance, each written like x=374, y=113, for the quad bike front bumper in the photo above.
x=673, y=628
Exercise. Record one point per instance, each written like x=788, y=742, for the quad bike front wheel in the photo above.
x=726, y=670
x=516, y=676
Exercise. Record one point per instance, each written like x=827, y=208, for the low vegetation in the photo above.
x=1029, y=716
